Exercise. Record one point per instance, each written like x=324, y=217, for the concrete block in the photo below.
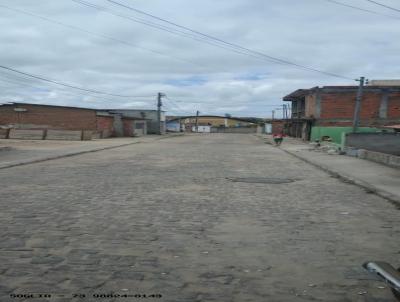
x=4, y=133
x=98, y=135
x=105, y=134
x=69, y=135
x=352, y=152
x=26, y=134
x=361, y=153
x=377, y=157
x=86, y=135
x=394, y=161
x=388, y=143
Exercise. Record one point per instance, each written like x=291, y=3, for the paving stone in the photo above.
x=12, y=243
x=128, y=275
x=216, y=277
x=118, y=218
x=5, y=290
x=47, y=260
x=117, y=260
x=48, y=243
x=87, y=283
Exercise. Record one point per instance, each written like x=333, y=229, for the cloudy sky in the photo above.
x=108, y=48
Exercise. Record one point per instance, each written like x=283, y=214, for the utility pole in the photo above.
x=357, y=108
x=273, y=114
x=197, y=121
x=159, y=105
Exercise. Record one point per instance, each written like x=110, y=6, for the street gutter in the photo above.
x=368, y=187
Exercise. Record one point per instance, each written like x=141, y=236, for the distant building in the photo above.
x=149, y=115
x=214, y=122
x=174, y=126
x=327, y=112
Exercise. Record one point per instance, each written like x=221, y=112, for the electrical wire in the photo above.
x=68, y=85
x=362, y=9
x=176, y=105
x=173, y=111
x=49, y=90
x=164, y=28
x=167, y=109
x=236, y=46
x=76, y=28
x=384, y=5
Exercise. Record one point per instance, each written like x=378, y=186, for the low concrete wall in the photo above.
x=29, y=134
x=87, y=135
x=4, y=133
x=234, y=130
x=68, y=135
x=388, y=143
x=382, y=158
x=26, y=134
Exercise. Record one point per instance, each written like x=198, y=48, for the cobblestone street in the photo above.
x=194, y=219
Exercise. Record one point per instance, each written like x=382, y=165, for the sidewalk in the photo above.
x=375, y=178
x=21, y=152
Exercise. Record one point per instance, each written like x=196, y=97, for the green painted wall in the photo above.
x=335, y=133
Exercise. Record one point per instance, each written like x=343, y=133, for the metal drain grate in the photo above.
x=261, y=180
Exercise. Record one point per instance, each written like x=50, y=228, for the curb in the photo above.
x=369, y=188
x=34, y=161
x=393, y=199
x=62, y=156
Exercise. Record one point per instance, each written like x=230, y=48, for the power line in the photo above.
x=164, y=28
x=176, y=105
x=244, y=51
x=68, y=85
x=76, y=28
x=236, y=46
x=48, y=90
x=174, y=112
x=362, y=9
x=384, y=5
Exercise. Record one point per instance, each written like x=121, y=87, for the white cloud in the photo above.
x=310, y=32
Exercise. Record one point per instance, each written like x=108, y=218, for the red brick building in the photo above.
x=316, y=110
x=104, y=125
x=101, y=124
x=32, y=116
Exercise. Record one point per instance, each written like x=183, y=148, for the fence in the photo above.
x=41, y=134
x=388, y=143
x=243, y=130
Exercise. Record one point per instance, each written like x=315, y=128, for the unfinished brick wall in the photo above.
x=105, y=126
x=394, y=106
x=370, y=105
x=337, y=105
x=48, y=117
x=337, y=109
x=310, y=105
x=128, y=127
